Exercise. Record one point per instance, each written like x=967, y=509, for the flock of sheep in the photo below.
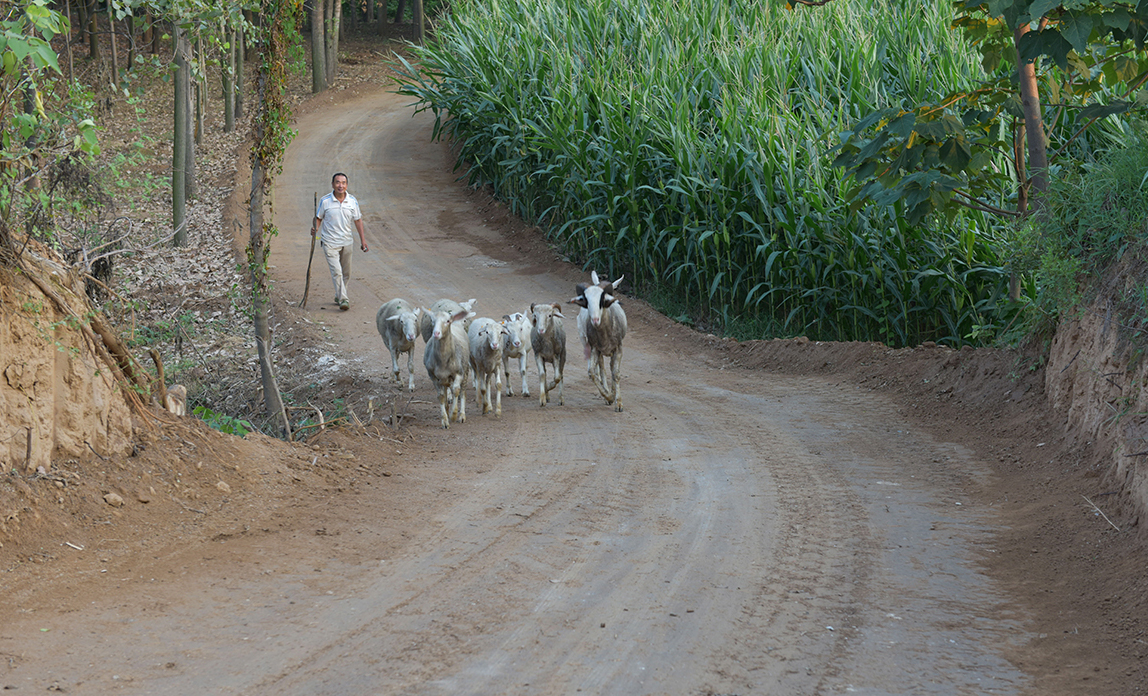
x=458, y=346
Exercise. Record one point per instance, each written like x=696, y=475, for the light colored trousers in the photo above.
x=339, y=261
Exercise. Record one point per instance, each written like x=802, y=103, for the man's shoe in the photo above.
x=344, y=304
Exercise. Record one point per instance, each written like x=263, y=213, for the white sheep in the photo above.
x=426, y=323
x=447, y=362
x=485, y=336
x=516, y=344
x=398, y=322
x=548, y=340
x=602, y=326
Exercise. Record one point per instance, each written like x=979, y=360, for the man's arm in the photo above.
x=362, y=237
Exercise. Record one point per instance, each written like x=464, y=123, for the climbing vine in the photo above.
x=272, y=135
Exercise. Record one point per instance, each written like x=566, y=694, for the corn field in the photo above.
x=688, y=146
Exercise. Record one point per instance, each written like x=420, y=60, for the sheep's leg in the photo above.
x=616, y=375
x=542, y=396
x=461, y=403
x=485, y=380
x=559, y=368
x=597, y=373
x=410, y=369
x=506, y=369
x=497, y=394
x=522, y=371
x=395, y=367
x=443, y=393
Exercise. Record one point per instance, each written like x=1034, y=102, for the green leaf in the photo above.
x=955, y=154
x=902, y=126
x=1126, y=68
x=1049, y=42
x=1076, y=28
x=1102, y=110
x=1118, y=18
x=1040, y=8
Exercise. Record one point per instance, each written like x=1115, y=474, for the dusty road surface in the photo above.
x=730, y=532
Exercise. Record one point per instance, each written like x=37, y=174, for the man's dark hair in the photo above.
x=336, y=175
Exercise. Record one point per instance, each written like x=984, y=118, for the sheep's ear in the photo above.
x=460, y=315
x=559, y=314
x=593, y=277
x=396, y=318
x=580, y=301
x=607, y=300
x=532, y=307
x=507, y=317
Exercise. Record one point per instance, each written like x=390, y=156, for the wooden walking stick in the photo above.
x=307, y=287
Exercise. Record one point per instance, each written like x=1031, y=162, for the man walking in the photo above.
x=337, y=216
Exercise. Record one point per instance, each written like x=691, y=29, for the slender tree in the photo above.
x=318, y=46
x=333, y=19
x=272, y=134
x=227, y=73
x=181, y=141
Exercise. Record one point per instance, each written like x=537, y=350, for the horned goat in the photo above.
x=398, y=324
x=602, y=326
x=548, y=340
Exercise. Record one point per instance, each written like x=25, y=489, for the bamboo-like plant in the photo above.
x=688, y=146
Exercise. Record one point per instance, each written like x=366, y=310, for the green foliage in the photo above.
x=42, y=120
x=162, y=331
x=687, y=146
x=1096, y=212
x=223, y=422
x=939, y=155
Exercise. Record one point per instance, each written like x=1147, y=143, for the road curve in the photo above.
x=730, y=532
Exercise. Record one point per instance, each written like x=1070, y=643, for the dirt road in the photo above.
x=731, y=532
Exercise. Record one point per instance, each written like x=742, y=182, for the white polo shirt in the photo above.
x=338, y=228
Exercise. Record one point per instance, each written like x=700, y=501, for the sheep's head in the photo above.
x=408, y=322
x=543, y=314
x=442, y=322
x=596, y=296
x=518, y=327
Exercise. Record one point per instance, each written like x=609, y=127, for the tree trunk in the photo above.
x=153, y=28
x=240, y=64
x=261, y=289
x=1034, y=126
x=400, y=11
x=318, y=47
x=228, y=74
x=82, y=18
x=420, y=22
x=331, y=60
x=94, y=31
x=68, y=41
x=370, y=11
x=133, y=29
x=115, y=52
x=200, y=90
x=180, y=141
